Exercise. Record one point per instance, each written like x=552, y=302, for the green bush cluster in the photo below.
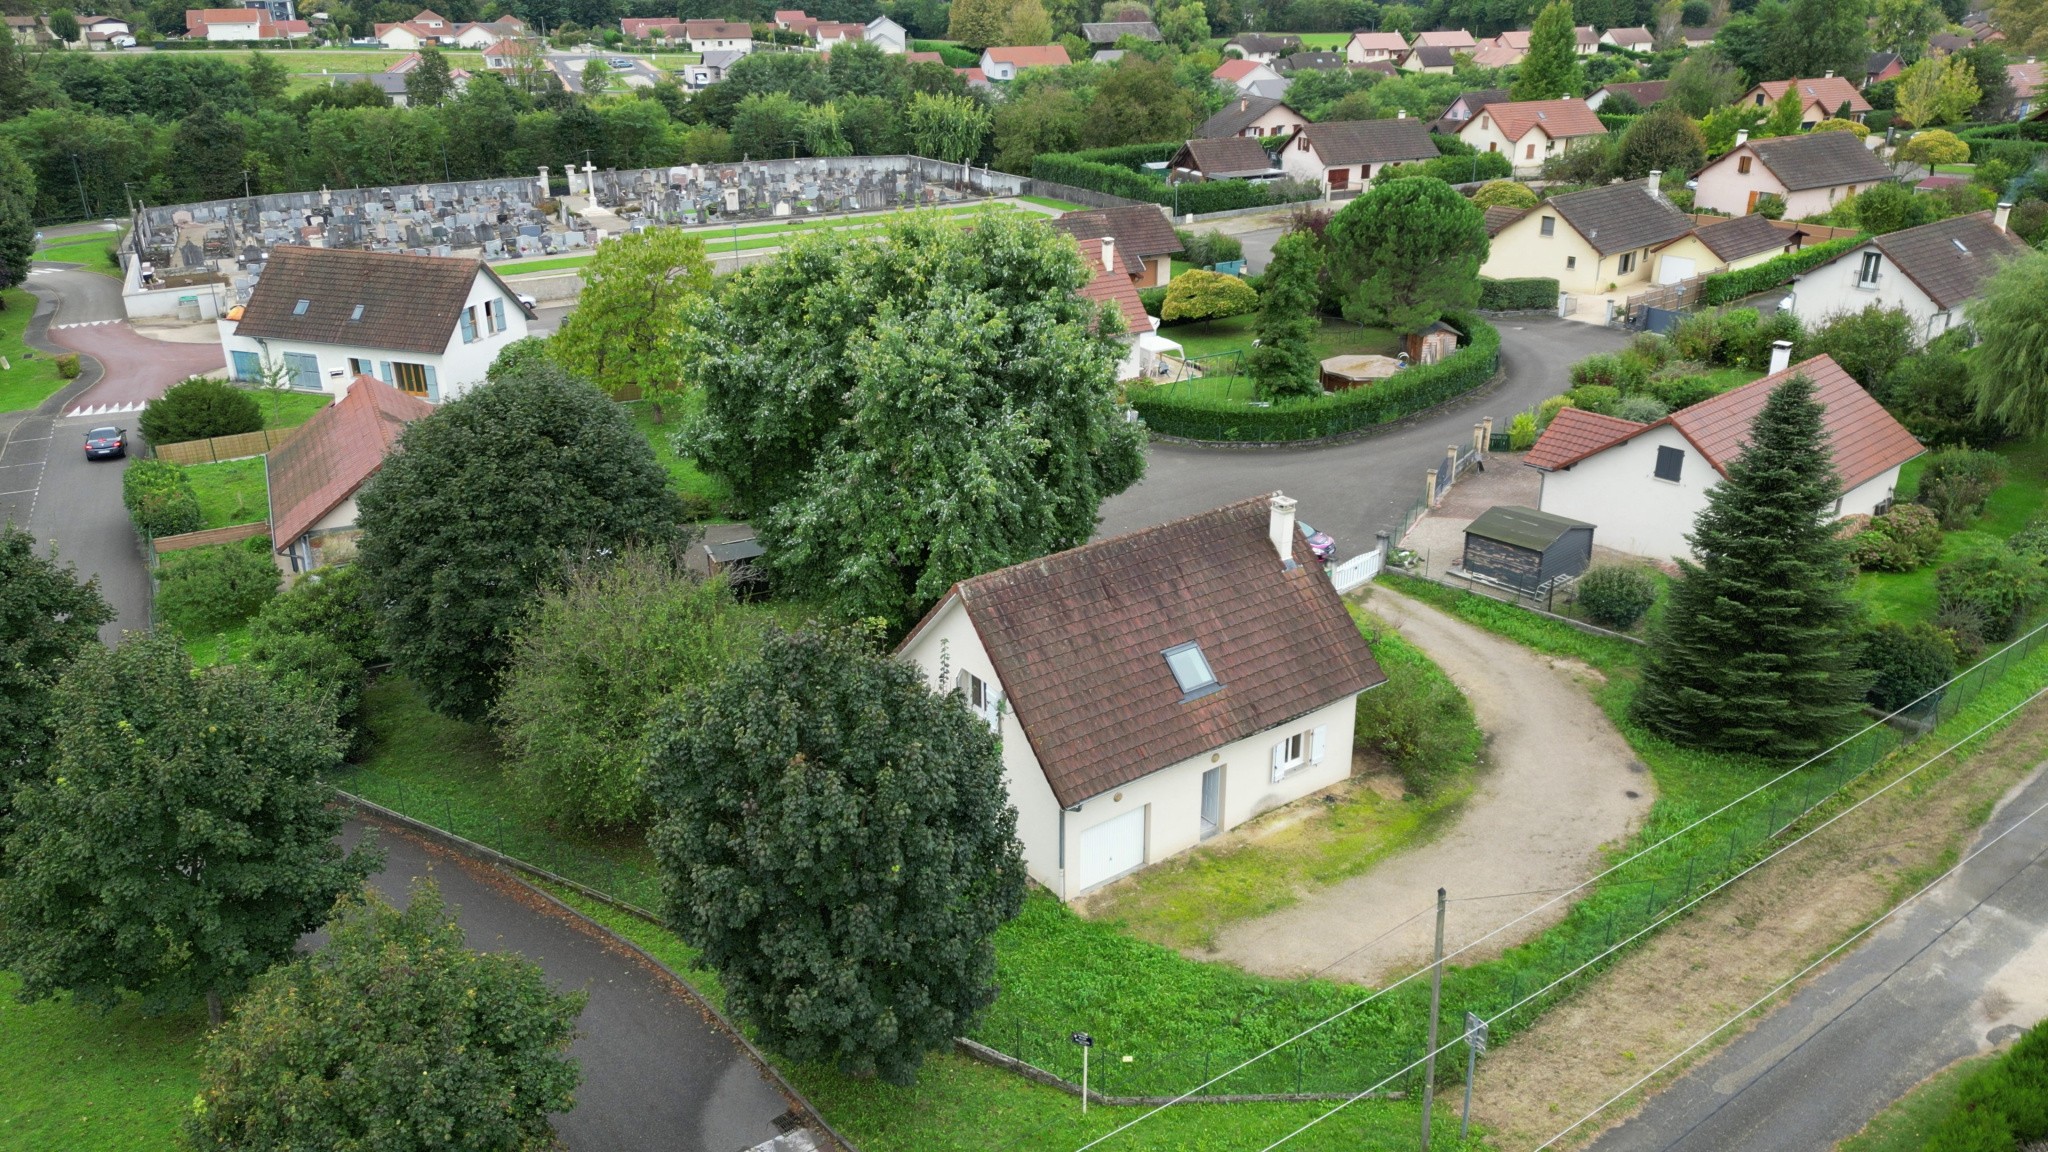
x=203, y=590
x=67, y=366
x=1418, y=719
x=1741, y=337
x=200, y=408
x=1114, y=171
x=1207, y=249
x=1459, y=169
x=320, y=636
x=1408, y=392
x=1616, y=596
x=1998, y=587
x=2001, y=1106
x=1956, y=482
x=160, y=499
x=1524, y=293
x=1907, y=661
x=1643, y=382
x=1901, y=540
x=1722, y=287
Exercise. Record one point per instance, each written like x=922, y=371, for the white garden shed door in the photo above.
x=1674, y=269
x=1112, y=848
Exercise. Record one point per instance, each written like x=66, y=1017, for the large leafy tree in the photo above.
x=1756, y=652
x=636, y=291
x=977, y=24
x=1284, y=361
x=432, y=82
x=1551, y=70
x=1903, y=26
x=17, y=226
x=1788, y=114
x=1411, y=251
x=1139, y=100
x=180, y=840
x=46, y=618
x=1664, y=139
x=1937, y=90
x=483, y=503
x=900, y=412
x=1702, y=82
x=394, y=1036
x=839, y=842
x=947, y=127
x=2009, y=372
x=2025, y=24
x=209, y=148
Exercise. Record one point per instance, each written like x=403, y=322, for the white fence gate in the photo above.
x=1356, y=571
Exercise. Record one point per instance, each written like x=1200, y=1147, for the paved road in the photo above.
x=138, y=369
x=658, y=1076
x=1963, y=965
x=1354, y=490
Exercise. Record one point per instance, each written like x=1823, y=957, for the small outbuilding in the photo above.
x=1527, y=550
x=1357, y=371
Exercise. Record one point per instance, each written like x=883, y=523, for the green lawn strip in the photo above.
x=1234, y=334
x=1321, y=39
x=1906, y=1125
x=290, y=409
x=90, y=1081
x=1726, y=379
x=690, y=480
x=229, y=647
x=962, y=1105
x=1910, y=596
x=1049, y=202
x=231, y=492
x=1185, y=901
x=89, y=251
x=31, y=376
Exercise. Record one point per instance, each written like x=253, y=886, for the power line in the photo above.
x=1564, y=893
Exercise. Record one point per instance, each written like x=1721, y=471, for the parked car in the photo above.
x=106, y=443
x=527, y=300
x=620, y=64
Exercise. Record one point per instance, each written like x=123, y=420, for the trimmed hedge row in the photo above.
x=1113, y=170
x=1409, y=391
x=1721, y=287
x=2001, y=1105
x=1518, y=294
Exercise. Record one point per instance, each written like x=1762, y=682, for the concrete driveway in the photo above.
x=1355, y=489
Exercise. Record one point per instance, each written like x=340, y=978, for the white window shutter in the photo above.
x=1316, y=744
x=1279, y=760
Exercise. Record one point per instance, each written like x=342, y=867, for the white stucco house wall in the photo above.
x=1811, y=173
x=1643, y=485
x=1342, y=156
x=1531, y=131
x=887, y=35
x=1134, y=685
x=1930, y=271
x=1002, y=64
x=429, y=326
x=719, y=36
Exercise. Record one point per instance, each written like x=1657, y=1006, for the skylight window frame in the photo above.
x=1200, y=689
x=302, y=307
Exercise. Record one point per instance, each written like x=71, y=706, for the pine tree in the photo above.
x=1755, y=653
x=1284, y=362
x=1551, y=71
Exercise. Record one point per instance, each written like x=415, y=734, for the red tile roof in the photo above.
x=640, y=27
x=1575, y=434
x=1114, y=287
x=1827, y=91
x=1031, y=56
x=1076, y=639
x=1235, y=70
x=1559, y=119
x=342, y=446
x=923, y=58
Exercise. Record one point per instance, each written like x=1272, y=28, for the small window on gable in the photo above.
x=299, y=309
x=1670, y=462
x=982, y=699
x=1549, y=227
x=1571, y=262
x=1742, y=165
x=1191, y=670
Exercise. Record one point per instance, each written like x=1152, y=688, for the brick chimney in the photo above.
x=1999, y=218
x=1281, y=529
x=1109, y=253
x=1781, y=356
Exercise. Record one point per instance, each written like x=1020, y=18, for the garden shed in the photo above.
x=1525, y=549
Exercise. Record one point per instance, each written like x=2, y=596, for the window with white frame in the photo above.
x=982, y=698
x=1866, y=274
x=1628, y=262
x=494, y=315
x=1298, y=750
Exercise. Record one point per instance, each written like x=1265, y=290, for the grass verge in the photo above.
x=231, y=492
x=692, y=483
x=1906, y=1125
x=1911, y=596
x=290, y=409
x=88, y=1081
x=91, y=252
x=1234, y=334
x=31, y=376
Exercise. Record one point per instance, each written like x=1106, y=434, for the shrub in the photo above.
x=1698, y=337
x=1914, y=526
x=1504, y=194
x=1154, y=300
x=1114, y=170
x=1641, y=409
x=1608, y=370
x=1199, y=295
x=331, y=603
x=1525, y=293
x=1679, y=391
x=202, y=590
x=160, y=499
x=1652, y=350
x=1722, y=287
x=199, y=408
x=1956, y=482
x=1418, y=719
x=1933, y=147
x=2001, y=1106
x=2002, y=586
x=1837, y=124
x=1873, y=551
x=1522, y=432
x=2031, y=540
x=1204, y=249
x=1964, y=628
x=1867, y=344
x=1770, y=206
x=1550, y=407
x=1616, y=596
x=67, y=366
x=1907, y=661
x=312, y=663
x=1595, y=398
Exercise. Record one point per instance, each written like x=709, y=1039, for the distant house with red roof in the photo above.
x=652, y=27
x=1643, y=485
x=1244, y=74
x=1819, y=99
x=241, y=24
x=1001, y=64
x=314, y=478
x=1531, y=131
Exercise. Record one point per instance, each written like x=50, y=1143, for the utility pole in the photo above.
x=1436, y=999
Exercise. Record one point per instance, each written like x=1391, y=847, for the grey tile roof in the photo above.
x=1226, y=157
x=1740, y=236
x=1820, y=160
x=1315, y=61
x=1621, y=217
x=1237, y=116
x=1251, y=42
x=1432, y=56
x=1949, y=259
x=1113, y=31
x=1394, y=141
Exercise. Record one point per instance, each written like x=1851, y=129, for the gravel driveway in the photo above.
x=1559, y=783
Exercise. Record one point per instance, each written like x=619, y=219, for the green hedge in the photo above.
x=2002, y=1105
x=1617, y=121
x=1410, y=391
x=1519, y=294
x=1721, y=287
x=1115, y=171
x=954, y=55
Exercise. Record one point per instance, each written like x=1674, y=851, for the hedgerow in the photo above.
x=1721, y=287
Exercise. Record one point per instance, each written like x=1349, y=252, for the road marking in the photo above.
x=19, y=492
x=106, y=409
x=85, y=324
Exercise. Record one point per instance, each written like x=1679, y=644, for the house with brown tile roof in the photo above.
x=1818, y=99
x=1154, y=689
x=1643, y=92
x=427, y=325
x=1344, y=155
x=1002, y=64
x=1368, y=47
x=1531, y=131
x=1931, y=272
x=1144, y=238
x=1644, y=485
x=1456, y=39
x=1227, y=158
x=314, y=477
x=1637, y=39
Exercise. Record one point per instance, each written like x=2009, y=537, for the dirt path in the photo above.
x=1560, y=783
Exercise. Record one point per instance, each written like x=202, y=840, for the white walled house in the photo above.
x=1375, y=47
x=1643, y=485
x=1343, y=156
x=1819, y=99
x=1003, y=64
x=1613, y=234
x=427, y=325
x=314, y=477
x=1531, y=131
x=887, y=35
x=1930, y=271
x=1811, y=173
x=1250, y=115
x=1154, y=689
x=719, y=36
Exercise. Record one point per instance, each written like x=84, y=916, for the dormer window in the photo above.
x=299, y=309
x=1190, y=670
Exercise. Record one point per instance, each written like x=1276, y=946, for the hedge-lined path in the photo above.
x=1960, y=969
x=1355, y=489
x=1558, y=783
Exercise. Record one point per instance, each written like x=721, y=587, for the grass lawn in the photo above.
x=290, y=409
x=229, y=647
x=1909, y=596
x=231, y=492
x=1235, y=335
x=31, y=376
x=89, y=251
x=1320, y=39
x=1049, y=202
x=690, y=480
x=1726, y=379
x=1911, y=1119
x=88, y=1081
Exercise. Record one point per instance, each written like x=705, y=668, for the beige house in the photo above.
x=1155, y=689
x=1592, y=242
x=1343, y=156
x=1637, y=39
x=1430, y=60
x=1811, y=173
x=1531, y=131
x=1721, y=243
x=1818, y=99
x=1456, y=39
x=1367, y=47
x=1250, y=115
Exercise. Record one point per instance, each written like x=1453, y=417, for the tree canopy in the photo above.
x=17, y=225
x=483, y=503
x=46, y=618
x=1551, y=70
x=637, y=291
x=899, y=412
x=1664, y=139
x=1284, y=363
x=839, y=842
x=2009, y=372
x=1411, y=250
x=1937, y=90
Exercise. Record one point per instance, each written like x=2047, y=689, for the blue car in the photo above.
x=106, y=443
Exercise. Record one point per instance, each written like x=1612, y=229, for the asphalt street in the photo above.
x=1964, y=967
x=658, y=1074
x=1356, y=489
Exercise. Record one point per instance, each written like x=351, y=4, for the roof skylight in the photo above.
x=1190, y=670
x=299, y=309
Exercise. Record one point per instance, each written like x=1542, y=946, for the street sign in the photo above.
x=1083, y=1039
x=1475, y=1033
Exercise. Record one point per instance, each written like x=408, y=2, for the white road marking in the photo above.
x=85, y=324
x=106, y=409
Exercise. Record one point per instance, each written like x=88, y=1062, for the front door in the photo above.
x=1212, y=801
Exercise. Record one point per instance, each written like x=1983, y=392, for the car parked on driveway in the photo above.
x=106, y=443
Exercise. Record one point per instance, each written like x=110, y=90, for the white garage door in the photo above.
x=1112, y=848
x=1674, y=269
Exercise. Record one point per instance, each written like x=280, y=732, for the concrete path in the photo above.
x=658, y=1075
x=1559, y=783
x=1962, y=968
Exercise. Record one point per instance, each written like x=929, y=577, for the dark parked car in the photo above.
x=106, y=443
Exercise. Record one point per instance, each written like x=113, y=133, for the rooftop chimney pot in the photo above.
x=1741, y=137
x=1109, y=253
x=1281, y=528
x=1999, y=218
x=1653, y=186
x=1781, y=356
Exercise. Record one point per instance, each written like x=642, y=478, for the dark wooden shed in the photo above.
x=1526, y=549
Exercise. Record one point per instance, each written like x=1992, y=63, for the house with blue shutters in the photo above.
x=429, y=326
